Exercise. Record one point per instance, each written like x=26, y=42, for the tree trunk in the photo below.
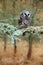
x=5, y=39
x=30, y=48
x=4, y=7
x=15, y=47
x=14, y=1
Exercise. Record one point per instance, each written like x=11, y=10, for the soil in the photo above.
x=7, y=57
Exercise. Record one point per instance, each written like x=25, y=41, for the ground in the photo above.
x=7, y=57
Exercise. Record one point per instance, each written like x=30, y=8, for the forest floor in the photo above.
x=7, y=57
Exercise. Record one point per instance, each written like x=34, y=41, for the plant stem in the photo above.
x=15, y=47
x=30, y=48
x=5, y=42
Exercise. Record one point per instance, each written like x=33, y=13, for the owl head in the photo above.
x=25, y=15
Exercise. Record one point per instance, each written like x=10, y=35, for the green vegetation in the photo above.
x=9, y=13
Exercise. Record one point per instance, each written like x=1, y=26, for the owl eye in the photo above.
x=28, y=14
x=25, y=13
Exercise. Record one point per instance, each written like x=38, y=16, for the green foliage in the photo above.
x=15, y=33
x=7, y=29
x=35, y=35
x=10, y=31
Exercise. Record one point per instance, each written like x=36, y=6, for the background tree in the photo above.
x=4, y=7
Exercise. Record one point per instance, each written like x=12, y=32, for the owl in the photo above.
x=24, y=20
